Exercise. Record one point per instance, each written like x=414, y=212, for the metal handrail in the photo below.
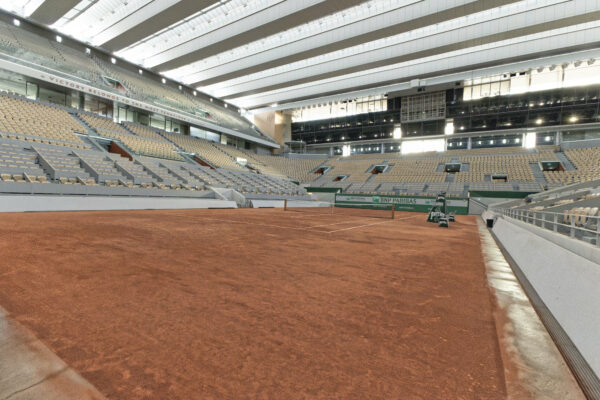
x=576, y=225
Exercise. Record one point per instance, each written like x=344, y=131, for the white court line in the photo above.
x=309, y=228
x=376, y=223
x=336, y=223
x=257, y=224
x=299, y=213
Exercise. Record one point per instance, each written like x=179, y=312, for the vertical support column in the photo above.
x=382, y=148
x=558, y=138
x=469, y=144
x=116, y=112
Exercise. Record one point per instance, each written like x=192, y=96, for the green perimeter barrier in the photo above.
x=499, y=194
x=457, y=205
x=323, y=190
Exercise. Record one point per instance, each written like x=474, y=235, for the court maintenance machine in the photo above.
x=439, y=212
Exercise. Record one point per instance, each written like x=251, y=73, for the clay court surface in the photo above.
x=236, y=304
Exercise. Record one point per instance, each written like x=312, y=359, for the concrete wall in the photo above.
x=291, y=204
x=20, y=203
x=491, y=200
x=275, y=124
x=568, y=283
x=580, y=144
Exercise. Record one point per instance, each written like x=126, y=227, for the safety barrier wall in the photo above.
x=405, y=203
x=20, y=203
x=575, y=225
x=565, y=277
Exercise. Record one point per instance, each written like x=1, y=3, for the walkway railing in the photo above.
x=578, y=226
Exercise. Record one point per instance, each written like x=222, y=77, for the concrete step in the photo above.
x=565, y=161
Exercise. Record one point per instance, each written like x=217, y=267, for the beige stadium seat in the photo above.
x=33, y=121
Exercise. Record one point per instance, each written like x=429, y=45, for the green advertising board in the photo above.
x=323, y=190
x=403, y=203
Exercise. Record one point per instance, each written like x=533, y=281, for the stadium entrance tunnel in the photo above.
x=551, y=166
x=340, y=178
x=452, y=167
x=117, y=149
x=378, y=169
x=499, y=178
x=202, y=162
x=322, y=170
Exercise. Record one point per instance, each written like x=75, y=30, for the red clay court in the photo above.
x=218, y=304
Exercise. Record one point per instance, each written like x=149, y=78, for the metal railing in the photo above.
x=575, y=225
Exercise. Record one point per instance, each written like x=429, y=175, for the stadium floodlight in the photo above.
x=88, y=51
x=211, y=99
x=539, y=121
x=195, y=93
x=397, y=132
x=140, y=71
x=16, y=22
x=59, y=38
x=225, y=105
x=530, y=140
x=449, y=129
x=113, y=60
x=163, y=80
x=503, y=141
x=345, y=151
x=573, y=119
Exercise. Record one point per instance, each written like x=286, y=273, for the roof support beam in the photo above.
x=451, y=63
x=383, y=57
x=52, y=10
x=157, y=22
x=265, y=62
x=256, y=31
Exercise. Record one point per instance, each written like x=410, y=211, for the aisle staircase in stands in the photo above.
x=538, y=174
x=566, y=163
